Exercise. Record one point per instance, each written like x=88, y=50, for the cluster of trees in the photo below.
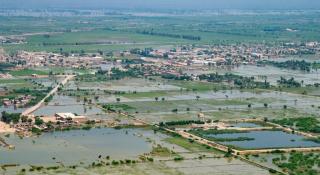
x=288, y=82
x=180, y=122
x=170, y=35
x=293, y=64
x=307, y=124
x=143, y=52
x=118, y=74
x=117, y=107
x=298, y=163
x=177, y=77
x=10, y=117
x=239, y=81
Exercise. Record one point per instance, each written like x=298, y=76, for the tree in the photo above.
x=156, y=98
x=24, y=119
x=10, y=117
x=38, y=121
x=197, y=97
x=229, y=152
x=118, y=99
x=265, y=105
x=265, y=119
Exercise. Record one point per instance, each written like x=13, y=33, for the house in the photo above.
x=65, y=117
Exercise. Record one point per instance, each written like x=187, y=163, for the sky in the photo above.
x=164, y=4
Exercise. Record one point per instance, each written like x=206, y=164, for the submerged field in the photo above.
x=127, y=147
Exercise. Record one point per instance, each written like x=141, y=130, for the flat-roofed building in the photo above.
x=70, y=117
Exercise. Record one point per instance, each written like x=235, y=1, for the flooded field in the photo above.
x=127, y=85
x=11, y=109
x=61, y=103
x=273, y=73
x=47, y=82
x=267, y=139
x=65, y=147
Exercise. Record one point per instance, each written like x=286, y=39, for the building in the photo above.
x=65, y=117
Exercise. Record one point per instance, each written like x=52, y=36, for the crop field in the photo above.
x=75, y=34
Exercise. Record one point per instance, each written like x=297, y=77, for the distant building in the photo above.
x=65, y=117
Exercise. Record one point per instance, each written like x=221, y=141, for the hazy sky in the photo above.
x=164, y=4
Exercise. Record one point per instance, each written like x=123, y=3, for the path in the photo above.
x=53, y=91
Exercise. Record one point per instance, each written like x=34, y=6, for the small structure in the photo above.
x=34, y=75
x=68, y=117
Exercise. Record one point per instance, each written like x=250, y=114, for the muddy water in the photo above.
x=72, y=147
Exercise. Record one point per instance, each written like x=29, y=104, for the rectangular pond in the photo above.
x=266, y=139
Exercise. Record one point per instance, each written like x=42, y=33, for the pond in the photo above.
x=267, y=139
x=72, y=147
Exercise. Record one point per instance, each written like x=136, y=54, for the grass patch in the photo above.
x=162, y=151
x=190, y=145
x=27, y=72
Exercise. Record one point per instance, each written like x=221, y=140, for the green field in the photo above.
x=91, y=34
x=27, y=72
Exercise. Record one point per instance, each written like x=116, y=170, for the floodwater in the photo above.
x=11, y=109
x=72, y=147
x=125, y=85
x=273, y=73
x=47, y=82
x=267, y=139
x=68, y=104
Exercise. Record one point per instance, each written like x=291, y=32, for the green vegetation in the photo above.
x=161, y=151
x=293, y=64
x=27, y=72
x=189, y=145
x=47, y=100
x=209, y=135
x=308, y=124
x=239, y=81
x=180, y=122
x=299, y=163
x=117, y=107
x=38, y=121
x=289, y=82
x=10, y=117
x=36, y=130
